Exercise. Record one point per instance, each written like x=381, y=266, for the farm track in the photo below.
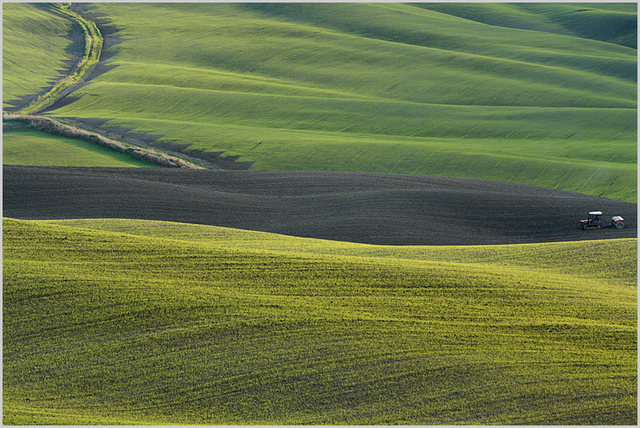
x=55, y=127
x=90, y=57
x=368, y=208
x=92, y=52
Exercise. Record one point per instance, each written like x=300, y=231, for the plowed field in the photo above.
x=369, y=208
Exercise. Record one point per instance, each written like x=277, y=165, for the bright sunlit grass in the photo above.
x=122, y=321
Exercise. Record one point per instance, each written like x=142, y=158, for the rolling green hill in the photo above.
x=121, y=321
x=34, y=50
x=537, y=94
x=31, y=147
x=114, y=321
x=379, y=88
x=615, y=23
x=609, y=22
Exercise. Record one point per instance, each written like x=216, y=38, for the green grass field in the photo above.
x=34, y=48
x=31, y=147
x=608, y=22
x=128, y=321
x=89, y=57
x=383, y=88
x=112, y=321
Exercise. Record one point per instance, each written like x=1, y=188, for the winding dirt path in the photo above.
x=93, y=42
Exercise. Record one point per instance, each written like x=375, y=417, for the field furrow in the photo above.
x=197, y=330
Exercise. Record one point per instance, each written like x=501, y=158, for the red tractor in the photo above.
x=595, y=221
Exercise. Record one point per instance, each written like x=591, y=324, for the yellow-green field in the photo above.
x=123, y=321
x=119, y=321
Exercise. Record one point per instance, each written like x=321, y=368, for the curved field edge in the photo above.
x=35, y=50
x=558, y=257
x=600, y=168
x=92, y=48
x=593, y=21
x=92, y=42
x=23, y=146
x=55, y=127
x=274, y=88
x=183, y=327
x=368, y=208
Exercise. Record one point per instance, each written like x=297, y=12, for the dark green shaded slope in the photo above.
x=593, y=21
x=608, y=22
x=511, y=15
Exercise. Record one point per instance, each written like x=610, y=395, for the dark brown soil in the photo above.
x=371, y=208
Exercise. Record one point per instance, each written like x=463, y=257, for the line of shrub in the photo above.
x=52, y=126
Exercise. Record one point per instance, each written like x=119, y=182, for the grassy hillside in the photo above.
x=31, y=147
x=120, y=321
x=609, y=22
x=34, y=50
x=89, y=42
x=378, y=88
x=615, y=23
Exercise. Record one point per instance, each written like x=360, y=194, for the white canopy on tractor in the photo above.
x=595, y=212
